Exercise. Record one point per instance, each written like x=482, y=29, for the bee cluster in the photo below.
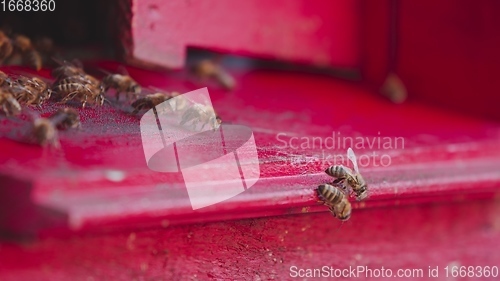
x=19, y=49
x=335, y=194
x=72, y=85
x=21, y=90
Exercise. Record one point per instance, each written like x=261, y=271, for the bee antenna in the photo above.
x=104, y=71
x=106, y=100
x=157, y=89
x=338, y=229
x=58, y=60
x=78, y=63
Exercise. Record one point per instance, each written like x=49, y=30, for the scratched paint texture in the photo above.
x=411, y=237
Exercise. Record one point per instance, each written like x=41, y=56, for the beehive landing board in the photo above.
x=99, y=180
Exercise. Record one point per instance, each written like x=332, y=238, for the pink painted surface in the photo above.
x=324, y=33
x=451, y=58
x=406, y=237
x=99, y=179
x=100, y=214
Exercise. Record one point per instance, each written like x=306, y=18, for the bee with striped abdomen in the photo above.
x=149, y=101
x=122, y=84
x=81, y=92
x=336, y=200
x=67, y=69
x=353, y=179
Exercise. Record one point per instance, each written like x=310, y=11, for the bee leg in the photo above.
x=68, y=97
x=138, y=108
x=117, y=95
x=332, y=211
x=84, y=101
x=338, y=180
x=5, y=110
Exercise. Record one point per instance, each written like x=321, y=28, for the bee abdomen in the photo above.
x=330, y=194
x=69, y=87
x=337, y=171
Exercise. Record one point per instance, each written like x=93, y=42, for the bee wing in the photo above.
x=158, y=90
x=78, y=63
x=60, y=61
x=121, y=69
x=352, y=157
x=105, y=72
x=21, y=74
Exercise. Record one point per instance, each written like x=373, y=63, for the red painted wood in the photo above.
x=410, y=237
x=435, y=205
x=446, y=156
x=450, y=57
x=323, y=33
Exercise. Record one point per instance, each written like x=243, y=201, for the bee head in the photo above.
x=107, y=79
x=362, y=195
x=345, y=216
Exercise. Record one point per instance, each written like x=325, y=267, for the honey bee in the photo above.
x=32, y=91
x=394, y=89
x=122, y=84
x=149, y=101
x=199, y=113
x=8, y=104
x=66, y=118
x=82, y=79
x=336, y=200
x=44, y=132
x=209, y=69
x=6, y=47
x=346, y=175
x=81, y=92
x=30, y=55
x=67, y=69
x=178, y=103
